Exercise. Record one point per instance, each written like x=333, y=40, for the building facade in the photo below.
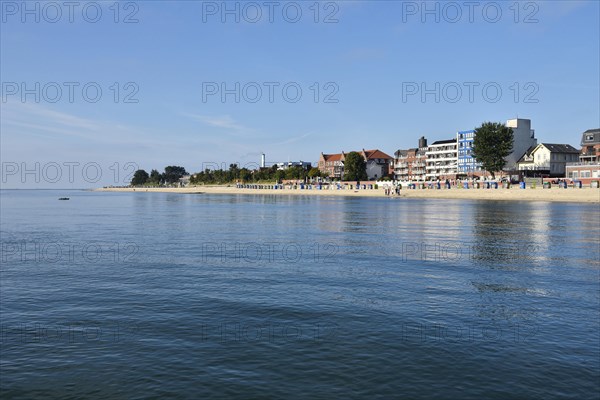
x=524, y=138
x=588, y=167
x=419, y=165
x=585, y=172
x=467, y=165
x=442, y=160
x=590, y=146
x=282, y=166
x=378, y=164
x=409, y=165
x=332, y=165
x=547, y=159
x=401, y=163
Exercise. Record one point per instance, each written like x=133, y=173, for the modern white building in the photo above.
x=281, y=166
x=442, y=160
x=524, y=138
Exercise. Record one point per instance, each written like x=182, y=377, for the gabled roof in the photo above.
x=527, y=153
x=560, y=148
x=370, y=154
x=332, y=157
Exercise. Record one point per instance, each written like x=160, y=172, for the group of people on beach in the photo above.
x=392, y=191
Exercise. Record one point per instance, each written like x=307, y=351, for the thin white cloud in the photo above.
x=22, y=119
x=223, y=121
x=22, y=114
x=292, y=140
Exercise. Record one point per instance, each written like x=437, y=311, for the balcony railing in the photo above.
x=586, y=163
x=534, y=168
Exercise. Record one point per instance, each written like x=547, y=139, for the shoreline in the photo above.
x=554, y=194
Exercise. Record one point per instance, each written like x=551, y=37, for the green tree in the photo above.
x=493, y=142
x=234, y=172
x=314, y=173
x=245, y=175
x=355, y=167
x=140, y=177
x=294, y=173
x=173, y=173
x=155, y=177
x=280, y=176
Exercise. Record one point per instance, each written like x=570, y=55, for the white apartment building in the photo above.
x=442, y=160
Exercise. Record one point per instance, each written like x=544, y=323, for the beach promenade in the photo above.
x=583, y=195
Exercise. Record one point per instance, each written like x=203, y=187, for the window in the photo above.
x=589, y=138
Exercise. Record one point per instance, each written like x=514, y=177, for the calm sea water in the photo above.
x=137, y=295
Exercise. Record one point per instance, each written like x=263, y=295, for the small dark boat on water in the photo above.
x=63, y=198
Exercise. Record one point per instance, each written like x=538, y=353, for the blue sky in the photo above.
x=369, y=60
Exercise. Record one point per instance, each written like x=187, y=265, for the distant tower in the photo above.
x=422, y=142
x=263, y=161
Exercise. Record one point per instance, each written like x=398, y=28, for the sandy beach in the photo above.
x=584, y=195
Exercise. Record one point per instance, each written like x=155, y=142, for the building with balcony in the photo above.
x=590, y=146
x=547, y=159
x=467, y=165
x=442, y=160
x=409, y=165
x=524, y=140
x=588, y=167
x=402, y=159
x=332, y=165
x=419, y=165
